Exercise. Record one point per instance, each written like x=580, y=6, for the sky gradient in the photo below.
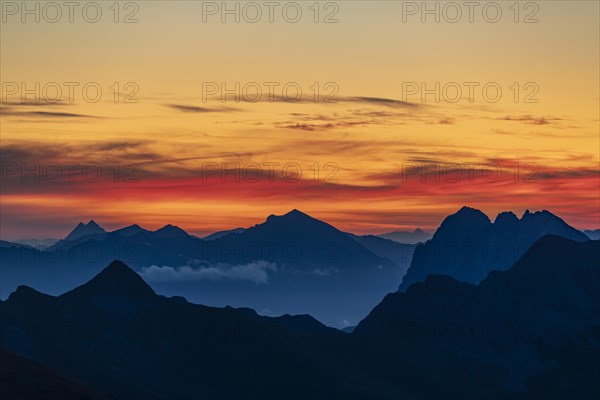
x=373, y=156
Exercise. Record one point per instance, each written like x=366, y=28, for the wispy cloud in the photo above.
x=382, y=102
x=187, y=108
x=530, y=119
x=12, y=112
x=257, y=272
x=34, y=103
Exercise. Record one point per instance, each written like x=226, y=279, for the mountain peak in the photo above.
x=538, y=214
x=130, y=230
x=116, y=267
x=291, y=216
x=81, y=230
x=298, y=215
x=506, y=217
x=26, y=294
x=465, y=220
x=470, y=229
x=170, y=231
x=117, y=278
x=470, y=211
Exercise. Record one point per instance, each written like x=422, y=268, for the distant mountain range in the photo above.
x=291, y=263
x=220, y=234
x=82, y=230
x=594, y=235
x=416, y=236
x=288, y=264
x=530, y=332
x=467, y=245
x=38, y=243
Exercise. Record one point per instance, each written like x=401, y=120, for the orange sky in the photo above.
x=374, y=156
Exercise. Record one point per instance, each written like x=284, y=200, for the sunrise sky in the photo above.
x=375, y=159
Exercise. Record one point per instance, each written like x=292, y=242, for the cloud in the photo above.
x=30, y=110
x=530, y=119
x=199, y=110
x=94, y=152
x=34, y=103
x=256, y=271
x=120, y=145
x=314, y=127
x=324, y=272
x=253, y=98
x=10, y=111
x=382, y=101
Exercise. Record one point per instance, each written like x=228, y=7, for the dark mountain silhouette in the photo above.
x=131, y=230
x=117, y=281
x=416, y=236
x=170, y=231
x=593, y=234
x=81, y=230
x=400, y=253
x=289, y=264
x=467, y=245
x=528, y=332
x=272, y=266
x=116, y=334
x=220, y=234
x=315, y=268
x=25, y=379
x=297, y=240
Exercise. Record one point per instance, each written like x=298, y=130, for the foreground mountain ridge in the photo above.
x=528, y=332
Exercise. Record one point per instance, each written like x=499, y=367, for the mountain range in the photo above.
x=291, y=263
x=467, y=245
x=81, y=230
x=416, y=236
x=529, y=332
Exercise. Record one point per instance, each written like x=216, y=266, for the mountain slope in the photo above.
x=399, y=253
x=24, y=379
x=81, y=230
x=530, y=329
x=593, y=234
x=299, y=241
x=530, y=332
x=116, y=334
x=417, y=236
x=220, y=234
